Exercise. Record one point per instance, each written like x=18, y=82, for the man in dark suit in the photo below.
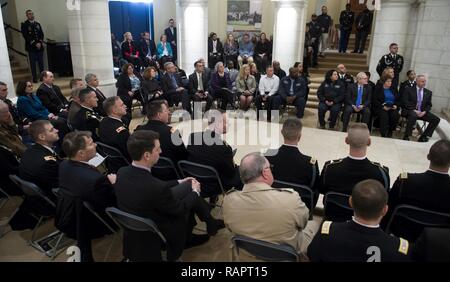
x=429, y=190
x=215, y=50
x=289, y=164
x=51, y=95
x=432, y=246
x=292, y=90
x=343, y=174
x=34, y=43
x=40, y=163
x=148, y=51
x=78, y=182
x=173, y=89
x=171, y=33
x=92, y=84
x=410, y=82
x=199, y=87
x=363, y=25
x=172, y=145
x=86, y=118
x=170, y=204
x=358, y=100
x=208, y=148
x=417, y=105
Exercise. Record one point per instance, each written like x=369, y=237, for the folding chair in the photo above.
x=165, y=167
x=338, y=202
x=264, y=250
x=135, y=223
x=413, y=220
x=112, y=154
x=305, y=193
x=32, y=190
x=5, y=199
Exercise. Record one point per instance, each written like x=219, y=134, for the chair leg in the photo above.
x=55, y=248
x=38, y=224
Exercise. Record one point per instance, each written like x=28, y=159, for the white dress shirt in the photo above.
x=269, y=84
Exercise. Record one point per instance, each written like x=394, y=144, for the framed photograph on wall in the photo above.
x=244, y=14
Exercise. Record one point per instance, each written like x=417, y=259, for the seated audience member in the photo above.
x=172, y=145
x=207, y=70
x=164, y=51
x=370, y=82
x=199, y=86
x=245, y=51
x=331, y=94
x=254, y=71
x=417, y=105
x=429, y=190
x=87, y=119
x=93, y=83
x=130, y=51
x=151, y=87
x=360, y=239
x=232, y=72
x=264, y=213
x=208, y=148
x=386, y=103
x=173, y=88
x=231, y=49
x=292, y=91
x=78, y=182
x=113, y=132
x=346, y=78
x=128, y=85
x=22, y=122
x=11, y=150
x=357, y=100
x=268, y=89
x=221, y=86
x=76, y=83
x=40, y=163
x=183, y=76
x=289, y=164
x=147, y=51
x=215, y=50
x=246, y=87
x=342, y=175
x=432, y=246
x=51, y=95
x=116, y=51
x=74, y=105
x=263, y=52
x=169, y=204
x=277, y=70
x=410, y=82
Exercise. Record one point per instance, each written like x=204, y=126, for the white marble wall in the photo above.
x=192, y=26
x=90, y=43
x=5, y=66
x=289, y=31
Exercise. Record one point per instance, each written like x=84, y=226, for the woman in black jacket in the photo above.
x=128, y=87
x=263, y=51
x=151, y=88
x=386, y=105
x=331, y=94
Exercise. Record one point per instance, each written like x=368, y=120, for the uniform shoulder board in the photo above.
x=285, y=190
x=403, y=247
x=377, y=164
x=335, y=161
x=120, y=129
x=230, y=191
x=404, y=175
x=326, y=227
x=313, y=161
x=49, y=158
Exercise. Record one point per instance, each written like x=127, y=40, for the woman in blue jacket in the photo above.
x=28, y=104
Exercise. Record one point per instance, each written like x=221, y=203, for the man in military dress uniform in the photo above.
x=394, y=61
x=360, y=239
x=92, y=83
x=87, y=119
x=34, y=43
x=346, y=78
x=342, y=175
x=346, y=22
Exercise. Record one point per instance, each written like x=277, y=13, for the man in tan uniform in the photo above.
x=265, y=213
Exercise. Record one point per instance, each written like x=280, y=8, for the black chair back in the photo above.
x=113, y=157
x=202, y=173
x=165, y=169
x=337, y=207
x=91, y=209
x=31, y=189
x=305, y=193
x=264, y=250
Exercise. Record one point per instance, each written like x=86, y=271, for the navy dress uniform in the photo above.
x=353, y=242
x=87, y=120
x=33, y=34
x=394, y=61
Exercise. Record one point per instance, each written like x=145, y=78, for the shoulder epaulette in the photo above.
x=313, y=161
x=49, y=158
x=285, y=190
x=334, y=161
x=230, y=191
x=326, y=227
x=403, y=247
x=120, y=129
x=404, y=175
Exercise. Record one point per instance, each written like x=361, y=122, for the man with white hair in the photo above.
x=92, y=83
x=358, y=99
x=275, y=215
x=417, y=105
x=172, y=86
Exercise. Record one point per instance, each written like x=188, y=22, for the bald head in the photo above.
x=358, y=136
x=252, y=169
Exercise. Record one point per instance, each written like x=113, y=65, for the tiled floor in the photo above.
x=398, y=155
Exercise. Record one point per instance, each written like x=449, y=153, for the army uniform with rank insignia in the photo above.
x=353, y=242
x=343, y=174
x=40, y=165
x=113, y=132
x=87, y=120
x=33, y=34
x=393, y=61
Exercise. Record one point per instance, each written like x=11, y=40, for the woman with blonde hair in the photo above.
x=246, y=87
x=130, y=51
x=230, y=49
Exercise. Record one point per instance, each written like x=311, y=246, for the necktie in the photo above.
x=200, y=82
x=419, y=99
x=359, y=98
x=174, y=82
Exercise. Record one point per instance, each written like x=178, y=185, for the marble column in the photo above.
x=394, y=22
x=289, y=31
x=90, y=42
x=5, y=65
x=192, y=36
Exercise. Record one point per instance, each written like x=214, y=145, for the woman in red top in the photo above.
x=130, y=51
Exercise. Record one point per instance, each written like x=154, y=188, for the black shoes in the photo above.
x=214, y=226
x=196, y=240
x=423, y=139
